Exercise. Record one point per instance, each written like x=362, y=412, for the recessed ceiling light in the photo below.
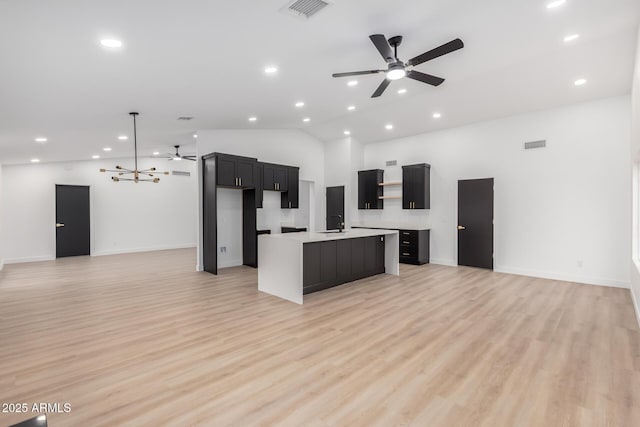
x=155, y=153
x=270, y=69
x=571, y=38
x=111, y=43
x=253, y=119
x=555, y=3
x=106, y=149
x=580, y=82
x=351, y=107
x=388, y=127
x=437, y=115
x=123, y=137
x=40, y=139
x=346, y=132
x=299, y=104
x=306, y=120
x=95, y=156
x=401, y=91
x=35, y=160
x=352, y=83
x=195, y=135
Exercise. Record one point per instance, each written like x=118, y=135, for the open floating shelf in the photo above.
x=384, y=184
x=389, y=197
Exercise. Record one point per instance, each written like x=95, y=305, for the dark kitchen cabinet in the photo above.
x=414, y=246
x=275, y=177
x=416, y=186
x=236, y=171
x=290, y=198
x=259, y=185
x=332, y=263
x=370, y=190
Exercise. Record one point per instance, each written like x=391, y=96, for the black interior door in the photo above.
x=475, y=223
x=73, y=225
x=335, y=206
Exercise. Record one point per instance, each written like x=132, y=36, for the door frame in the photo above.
x=54, y=214
x=493, y=236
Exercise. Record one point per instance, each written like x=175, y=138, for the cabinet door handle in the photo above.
x=406, y=243
x=405, y=254
x=405, y=233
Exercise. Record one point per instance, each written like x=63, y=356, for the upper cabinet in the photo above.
x=416, y=184
x=289, y=199
x=236, y=171
x=369, y=189
x=275, y=177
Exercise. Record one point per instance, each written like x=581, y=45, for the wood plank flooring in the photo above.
x=143, y=340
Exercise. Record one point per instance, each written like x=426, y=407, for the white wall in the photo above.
x=635, y=159
x=287, y=147
x=344, y=157
x=561, y=212
x=125, y=217
x=2, y=240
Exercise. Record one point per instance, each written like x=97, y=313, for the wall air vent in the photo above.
x=392, y=163
x=304, y=9
x=181, y=173
x=535, y=144
x=186, y=118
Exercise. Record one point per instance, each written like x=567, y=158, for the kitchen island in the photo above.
x=295, y=264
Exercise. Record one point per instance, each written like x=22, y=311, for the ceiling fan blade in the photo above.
x=381, y=43
x=452, y=46
x=425, y=78
x=381, y=88
x=357, y=73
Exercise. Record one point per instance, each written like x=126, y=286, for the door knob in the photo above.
x=58, y=225
x=460, y=227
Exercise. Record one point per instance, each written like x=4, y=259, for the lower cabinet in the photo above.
x=332, y=263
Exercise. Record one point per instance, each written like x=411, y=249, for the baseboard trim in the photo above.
x=231, y=263
x=440, y=261
x=597, y=281
x=29, y=259
x=636, y=308
x=144, y=249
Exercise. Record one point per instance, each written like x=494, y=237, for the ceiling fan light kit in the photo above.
x=135, y=175
x=396, y=69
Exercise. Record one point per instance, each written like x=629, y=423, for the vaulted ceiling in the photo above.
x=206, y=59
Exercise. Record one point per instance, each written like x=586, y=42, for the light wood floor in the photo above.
x=143, y=340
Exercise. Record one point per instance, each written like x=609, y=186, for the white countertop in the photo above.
x=394, y=226
x=308, y=236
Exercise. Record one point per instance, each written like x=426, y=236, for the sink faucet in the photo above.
x=340, y=223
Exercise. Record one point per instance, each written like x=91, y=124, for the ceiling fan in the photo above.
x=396, y=69
x=178, y=156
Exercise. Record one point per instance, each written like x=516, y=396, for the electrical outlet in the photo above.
x=223, y=249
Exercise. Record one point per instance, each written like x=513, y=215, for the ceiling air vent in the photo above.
x=304, y=8
x=535, y=144
x=181, y=173
x=186, y=118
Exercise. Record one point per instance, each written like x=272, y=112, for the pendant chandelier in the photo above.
x=135, y=175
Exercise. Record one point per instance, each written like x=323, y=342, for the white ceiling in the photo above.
x=206, y=59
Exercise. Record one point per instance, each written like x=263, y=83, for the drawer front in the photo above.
x=408, y=237
x=408, y=252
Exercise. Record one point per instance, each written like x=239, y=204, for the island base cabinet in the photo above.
x=332, y=263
